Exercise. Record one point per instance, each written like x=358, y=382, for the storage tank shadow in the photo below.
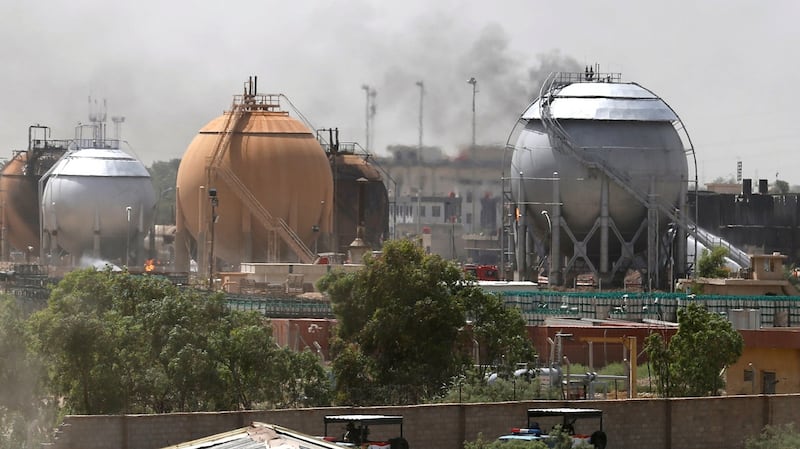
x=358, y=184
x=97, y=203
x=19, y=192
x=598, y=172
x=273, y=186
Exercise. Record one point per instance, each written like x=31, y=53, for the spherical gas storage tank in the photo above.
x=278, y=161
x=19, y=199
x=97, y=203
x=625, y=129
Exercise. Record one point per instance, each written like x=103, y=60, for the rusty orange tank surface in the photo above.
x=19, y=201
x=280, y=163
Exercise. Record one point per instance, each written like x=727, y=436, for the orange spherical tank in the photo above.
x=19, y=201
x=281, y=164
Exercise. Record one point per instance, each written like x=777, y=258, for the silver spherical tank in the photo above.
x=97, y=203
x=598, y=163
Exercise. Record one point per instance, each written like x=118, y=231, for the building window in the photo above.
x=436, y=211
x=469, y=217
x=469, y=196
x=422, y=211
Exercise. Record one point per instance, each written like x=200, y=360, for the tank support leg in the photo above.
x=181, y=237
x=246, y=251
x=554, y=277
x=96, y=235
x=652, y=237
x=604, y=226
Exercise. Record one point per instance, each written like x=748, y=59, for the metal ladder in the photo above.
x=275, y=226
x=551, y=124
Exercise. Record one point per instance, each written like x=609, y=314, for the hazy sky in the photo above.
x=169, y=67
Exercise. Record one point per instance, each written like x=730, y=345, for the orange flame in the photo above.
x=149, y=265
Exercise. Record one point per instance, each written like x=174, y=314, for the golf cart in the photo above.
x=357, y=429
x=566, y=419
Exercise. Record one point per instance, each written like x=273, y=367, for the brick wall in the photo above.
x=686, y=423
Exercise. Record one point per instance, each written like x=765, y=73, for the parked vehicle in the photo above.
x=565, y=418
x=482, y=272
x=356, y=431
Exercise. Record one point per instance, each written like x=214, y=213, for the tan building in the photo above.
x=765, y=277
x=770, y=363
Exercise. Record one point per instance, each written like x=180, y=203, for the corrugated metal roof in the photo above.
x=258, y=435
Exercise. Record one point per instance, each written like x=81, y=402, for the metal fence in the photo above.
x=536, y=306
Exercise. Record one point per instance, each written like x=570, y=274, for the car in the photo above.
x=566, y=419
x=356, y=431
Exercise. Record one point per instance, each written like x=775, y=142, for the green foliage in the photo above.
x=481, y=443
x=473, y=388
x=692, y=362
x=775, y=437
x=661, y=362
x=711, y=264
x=163, y=175
x=402, y=330
x=119, y=343
x=25, y=419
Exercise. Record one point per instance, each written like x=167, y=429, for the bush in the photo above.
x=775, y=437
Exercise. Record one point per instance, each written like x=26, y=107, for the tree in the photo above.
x=693, y=360
x=402, y=330
x=164, y=176
x=780, y=187
x=26, y=419
x=119, y=343
x=711, y=264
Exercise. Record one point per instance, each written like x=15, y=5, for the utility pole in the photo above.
x=474, y=83
x=421, y=96
x=367, y=90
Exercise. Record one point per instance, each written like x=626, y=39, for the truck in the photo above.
x=482, y=272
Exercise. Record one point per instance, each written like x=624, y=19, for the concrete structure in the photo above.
x=686, y=423
x=457, y=198
x=264, y=277
x=765, y=277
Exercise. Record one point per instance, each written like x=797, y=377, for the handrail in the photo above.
x=548, y=94
x=287, y=234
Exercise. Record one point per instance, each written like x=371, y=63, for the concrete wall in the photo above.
x=686, y=423
x=278, y=273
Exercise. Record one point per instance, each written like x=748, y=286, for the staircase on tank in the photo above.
x=551, y=124
x=274, y=225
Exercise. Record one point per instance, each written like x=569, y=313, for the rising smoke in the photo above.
x=169, y=76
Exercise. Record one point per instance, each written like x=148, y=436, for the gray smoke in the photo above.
x=161, y=67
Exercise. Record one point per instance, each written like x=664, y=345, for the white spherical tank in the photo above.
x=97, y=202
x=593, y=145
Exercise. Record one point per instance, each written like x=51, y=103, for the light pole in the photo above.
x=128, y=234
x=366, y=115
x=474, y=84
x=421, y=96
x=212, y=195
x=369, y=112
